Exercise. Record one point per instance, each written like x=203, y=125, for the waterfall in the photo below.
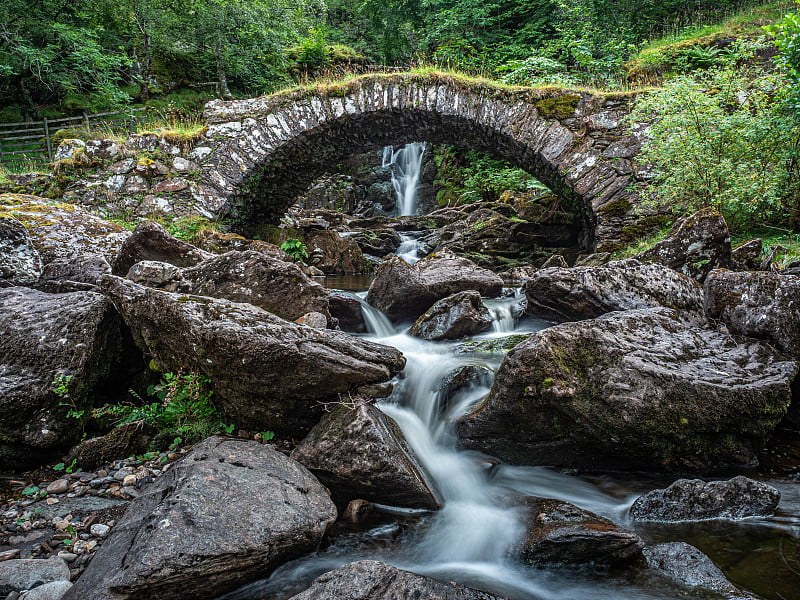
x=410, y=249
x=406, y=165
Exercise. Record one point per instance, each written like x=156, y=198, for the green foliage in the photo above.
x=295, y=248
x=66, y=468
x=183, y=407
x=787, y=38
x=640, y=245
x=721, y=139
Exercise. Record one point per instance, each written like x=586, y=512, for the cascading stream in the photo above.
x=406, y=165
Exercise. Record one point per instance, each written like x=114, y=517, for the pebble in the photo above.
x=67, y=556
x=59, y=486
x=122, y=474
x=99, y=530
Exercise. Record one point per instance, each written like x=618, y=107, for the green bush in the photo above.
x=295, y=248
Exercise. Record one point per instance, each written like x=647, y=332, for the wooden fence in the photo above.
x=34, y=142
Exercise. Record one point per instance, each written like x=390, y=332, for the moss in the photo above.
x=494, y=346
x=558, y=107
x=616, y=208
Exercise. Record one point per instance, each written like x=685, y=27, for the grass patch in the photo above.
x=640, y=245
x=788, y=244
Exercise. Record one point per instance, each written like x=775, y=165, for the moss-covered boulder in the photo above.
x=639, y=389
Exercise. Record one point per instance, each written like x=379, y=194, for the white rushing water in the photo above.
x=406, y=165
x=410, y=249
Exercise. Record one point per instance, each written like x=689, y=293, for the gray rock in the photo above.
x=373, y=580
x=561, y=533
x=153, y=273
x=347, y=309
x=454, y=317
x=694, y=246
x=361, y=453
x=633, y=389
x=20, y=263
x=19, y=574
x=59, y=486
x=266, y=372
x=73, y=274
x=50, y=341
x=335, y=255
x=556, y=260
x=313, y=319
x=124, y=440
x=403, y=291
x=688, y=566
x=150, y=241
x=100, y=530
x=227, y=513
x=49, y=591
x=747, y=255
x=588, y=292
x=593, y=260
x=378, y=242
x=697, y=500
x=762, y=305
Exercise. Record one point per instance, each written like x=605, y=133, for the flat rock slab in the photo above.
x=361, y=453
x=266, y=372
x=227, y=513
x=373, y=580
x=631, y=390
x=696, y=500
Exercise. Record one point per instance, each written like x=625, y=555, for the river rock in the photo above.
x=373, y=580
x=694, y=246
x=460, y=385
x=55, y=590
x=74, y=274
x=19, y=574
x=227, y=513
x=335, y=255
x=150, y=241
x=361, y=453
x=697, y=500
x=404, y=291
x=266, y=372
x=378, y=242
x=220, y=243
x=763, y=305
x=634, y=389
x=561, y=533
x=61, y=230
x=688, y=566
x=46, y=340
x=20, y=263
x=347, y=310
x=249, y=276
x=588, y=292
x=454, y=317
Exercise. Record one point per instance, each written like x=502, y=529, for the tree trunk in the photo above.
x=224, y=91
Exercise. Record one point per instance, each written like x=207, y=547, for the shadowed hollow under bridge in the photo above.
x=261, y=153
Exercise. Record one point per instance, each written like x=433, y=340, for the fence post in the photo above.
x=86, y=121
x=47, y=140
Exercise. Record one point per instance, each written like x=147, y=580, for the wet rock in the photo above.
x=20, y=263
x=454, y=317
x=348, y=311
x=335, y=255
x=128, y=439
x=150, y=241
x=266, y=372
x=378, y=242
x=518, y=273
x=227, y=513
x=588, y=292
x=55, y=349
x=499, y=345
x=694, y=246
x=61, y=231
x=49, y=591
x=21, y=574
x=74, y=274
x=561, y=533
x=357, y=510
x=697, y=500
x=361, y=453
x=763, y=305
x=747, y=255
x=373, y=580
x=404, y=291
x=688, y=566
x=460, y=384
x=633, y=389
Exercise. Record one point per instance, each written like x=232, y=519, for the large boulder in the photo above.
x=22, y=574
x=56, y=353
x=347, y=310
x=227, y=513
x=61, y=230
x=373, y=580
x=404, y=291
x=151, y=241
x=361, y=453
x=258, y=279
x=588, y=292
x=561, y=533
x=688, y=566
x=763, y=305
x=335, y=255
x=266, y=372
x=696, y=500
x=634, y=389
x=454, y=317
x=378, y=242
x=74, y=274
x=20, y=263
x=694, y=246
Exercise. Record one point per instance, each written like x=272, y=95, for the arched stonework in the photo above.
x=260, y=153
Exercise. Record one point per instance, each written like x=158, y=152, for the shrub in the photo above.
x=295, y=248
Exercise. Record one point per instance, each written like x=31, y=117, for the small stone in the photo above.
x=102, y=473
x=61, y=525
x=122, y=474
x=51, y=501
x=129, y=480
x=59, y=486
x=99, y=530
x=67, y=556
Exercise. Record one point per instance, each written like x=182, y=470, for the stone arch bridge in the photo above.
x=260, y=153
